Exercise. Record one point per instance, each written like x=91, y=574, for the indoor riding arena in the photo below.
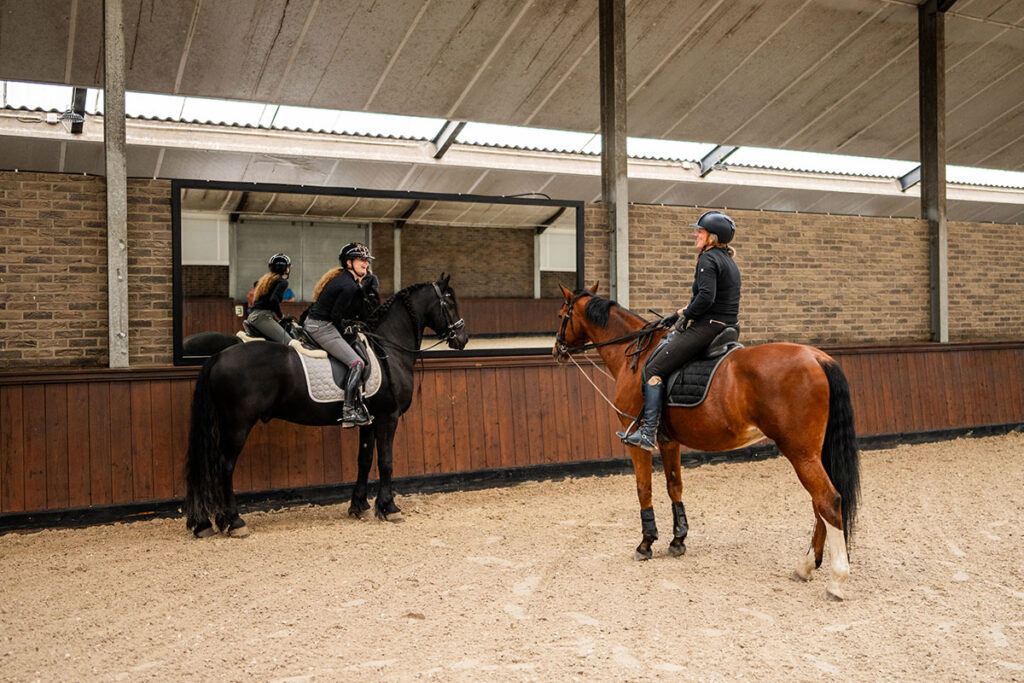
x=511, y=164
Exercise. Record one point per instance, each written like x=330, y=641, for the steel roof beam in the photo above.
x=932, y=112
x=715, y=157
x=911, y=178
x=446, y=137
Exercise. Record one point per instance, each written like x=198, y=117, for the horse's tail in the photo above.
x=839, y=451
x=205, y=466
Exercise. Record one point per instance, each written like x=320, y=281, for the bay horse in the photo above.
x=795, y=395
x=263, y=380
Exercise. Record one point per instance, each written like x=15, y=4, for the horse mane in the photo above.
x=401, y=295
x=598, y=309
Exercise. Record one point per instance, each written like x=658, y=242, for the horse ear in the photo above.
x=446, y=278
x=565, y=292
x=593, y=288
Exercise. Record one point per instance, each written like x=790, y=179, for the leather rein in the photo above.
x=641, y=338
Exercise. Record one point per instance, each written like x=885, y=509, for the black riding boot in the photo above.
x=354, y=411
x=646, y=436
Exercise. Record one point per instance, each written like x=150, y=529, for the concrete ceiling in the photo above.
x=818, y=75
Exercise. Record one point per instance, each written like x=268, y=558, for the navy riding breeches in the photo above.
x=681, y=347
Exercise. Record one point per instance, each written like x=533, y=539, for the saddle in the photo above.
x=688, y=386
x=325, y=377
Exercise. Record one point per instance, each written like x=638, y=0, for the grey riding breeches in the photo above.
x=330, y=340
x=268, y=326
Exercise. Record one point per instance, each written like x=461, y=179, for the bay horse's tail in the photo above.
x=839, y=451
x=205, y=466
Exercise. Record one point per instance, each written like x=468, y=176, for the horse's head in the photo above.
x=443, y=317
x=571, y=331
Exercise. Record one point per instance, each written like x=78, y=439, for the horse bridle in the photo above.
x=446, y=308
x=567, y=319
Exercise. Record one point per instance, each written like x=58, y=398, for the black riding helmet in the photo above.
x=279, y=263
x=718, y=224
x=354, y=250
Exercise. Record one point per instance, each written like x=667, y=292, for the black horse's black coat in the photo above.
x=264, y=380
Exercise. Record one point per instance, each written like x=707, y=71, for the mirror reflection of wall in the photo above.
x=506, y=259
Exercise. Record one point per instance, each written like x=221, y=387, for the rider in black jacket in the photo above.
x=269, y=290
x=715, y=304
x=340, y=297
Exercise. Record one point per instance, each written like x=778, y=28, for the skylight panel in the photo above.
x=984, y=176
x=229, y=112
x=16, y=94
x=817, y=162
x=388, y=125
x=674, y=150
x=153, y=106
x=527, y=138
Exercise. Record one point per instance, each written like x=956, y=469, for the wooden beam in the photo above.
x=114, y=149
x=614, y=174
x=932, y=110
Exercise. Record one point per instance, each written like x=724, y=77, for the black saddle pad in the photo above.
x=688, y=386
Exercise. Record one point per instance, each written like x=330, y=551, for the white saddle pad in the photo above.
x=320, y=380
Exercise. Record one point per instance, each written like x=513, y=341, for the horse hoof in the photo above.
x=642, y=553
x=203, y=531
x=240, y=532
x=395, y=517
x=356, y=513
x=835, y=593
x=676, y=550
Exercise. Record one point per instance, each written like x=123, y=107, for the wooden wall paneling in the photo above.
x=330, y=440
x=867, y=403
x=141, y=441
x=287, y=437
x=559, y=399
x=995, y=389
x=953, y=410
x=55, y=409
x=445, y=421
x=507, y=427
x=490, y=411
x=34, y=416
x=936, y=392
x=181, y=401
x=1011, y=369
x=545, y=389
x=311, y=443
x=575, y=434
x=526, y=440
x=902, y=398
x=964, y=385
x=917, y=378
x=465, y=431
x=79, y=474
x=412, y=424
x=476, y=421
x=534, y=426
x=431, y=444
x=101, y=489
x=12, y=450
x=608, y=445
x=163, y=446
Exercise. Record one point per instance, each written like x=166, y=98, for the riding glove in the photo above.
x=668, y=319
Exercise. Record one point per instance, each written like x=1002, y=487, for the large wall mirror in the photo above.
x=507, y=255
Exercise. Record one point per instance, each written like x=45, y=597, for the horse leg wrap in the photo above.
x=647, y=524
x=680, y=527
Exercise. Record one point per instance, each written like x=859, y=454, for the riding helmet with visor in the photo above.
x=279, y=263
x=718, y=224
x=354, y=250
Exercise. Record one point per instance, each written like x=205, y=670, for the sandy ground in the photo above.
x=538, y=582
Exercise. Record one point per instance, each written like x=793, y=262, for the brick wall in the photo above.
x=205, y=281
x=53, y=276
x=821, y=279
x=486, y=262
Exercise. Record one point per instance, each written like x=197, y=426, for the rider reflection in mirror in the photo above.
x=715, y=305
x=341, y=296
x=266, y=305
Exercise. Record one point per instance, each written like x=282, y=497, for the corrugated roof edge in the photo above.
x=379, y=136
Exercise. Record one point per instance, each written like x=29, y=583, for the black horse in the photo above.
x=264, y=380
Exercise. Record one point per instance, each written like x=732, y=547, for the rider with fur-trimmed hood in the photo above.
x=341, y=296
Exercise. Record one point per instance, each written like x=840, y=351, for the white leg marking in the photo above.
x=840, y=562
x=806, y=564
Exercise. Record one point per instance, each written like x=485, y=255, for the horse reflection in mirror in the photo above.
x=264, y=380
x=795, y=395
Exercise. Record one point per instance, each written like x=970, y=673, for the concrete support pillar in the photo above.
x=536, y=263
x=397, y=233
x=117, y=182
x=932, y=110
x=614, y=175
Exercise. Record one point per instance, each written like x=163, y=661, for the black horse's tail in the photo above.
x=839, y=452
x=205, y=466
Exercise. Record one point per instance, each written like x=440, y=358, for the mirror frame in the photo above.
x=177, y=185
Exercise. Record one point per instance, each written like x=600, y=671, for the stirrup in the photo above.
x=301, y=348
x=634, y=425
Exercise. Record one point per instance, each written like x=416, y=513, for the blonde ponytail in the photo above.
x=324, y=279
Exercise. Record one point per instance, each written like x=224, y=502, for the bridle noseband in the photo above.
x=452, y=330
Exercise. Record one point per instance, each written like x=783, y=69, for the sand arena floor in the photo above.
x=538, y=582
